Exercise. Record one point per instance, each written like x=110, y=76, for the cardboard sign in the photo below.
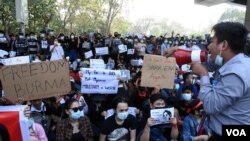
x=97, y=64
x=35, y=80
x=88, y=54
x=122, y=48
x=102, y=51
x=131, y=110
x=16, y=60
x=158, y=71
x=13, y=120
x=99, y=81
x=162, y=116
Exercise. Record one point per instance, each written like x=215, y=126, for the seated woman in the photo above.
x=76, y=127
x=195, y=124
x=121, y=126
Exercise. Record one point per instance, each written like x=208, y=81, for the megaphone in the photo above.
x=187, y=56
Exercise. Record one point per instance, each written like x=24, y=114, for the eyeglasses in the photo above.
x=77, y=108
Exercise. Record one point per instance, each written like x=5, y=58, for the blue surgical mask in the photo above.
x=177, y=86
x=75, y=115
x=186, y=96
x=219, y=60
x=122, y=115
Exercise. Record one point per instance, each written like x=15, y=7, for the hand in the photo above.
x=199, y=69
x=174, y=121
x=203, y=137
x=150, y=122
x=156, y=89
x=27, y=111
x=170, y=51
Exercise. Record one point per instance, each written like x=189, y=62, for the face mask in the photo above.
x=186, y=96
x=122, y=116
x=76, y=115
x=72, y=37
x=177, y=86
x=42, y=35
x=55, y=43
x=166, y=41
x=51, y=33
x=30, y=122
x=20, y=36
x=62, y=38
x=219, y=60
x=32, y=37
x=181, y=76
x=1, y=35
x=141, y=41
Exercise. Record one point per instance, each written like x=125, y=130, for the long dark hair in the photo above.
x=4, y=134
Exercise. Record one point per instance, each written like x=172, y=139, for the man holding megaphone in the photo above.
x=227, y=100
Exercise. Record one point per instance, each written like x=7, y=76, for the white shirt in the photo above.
x=57, y=53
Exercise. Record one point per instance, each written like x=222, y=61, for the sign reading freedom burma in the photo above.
x=158, y=71
x=35, y=80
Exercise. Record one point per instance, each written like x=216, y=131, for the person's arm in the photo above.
x=221, y=96
x=146, y=131
x=133, y=135
x=174, y=131
x=186, y=131
x=102, y=137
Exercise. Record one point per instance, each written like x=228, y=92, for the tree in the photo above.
x=114, y=7
x=232, y=15
x=142, y=25
x=7, y=14
x=120, y=25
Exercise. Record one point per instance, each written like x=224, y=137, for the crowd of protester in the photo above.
x=76, y=116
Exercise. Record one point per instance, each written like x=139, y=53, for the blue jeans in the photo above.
x=72, y=55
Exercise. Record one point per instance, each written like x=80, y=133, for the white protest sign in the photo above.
x=86, y=45
x=3, y=53
x=125, y=74
x=16, y=60
x=122, y=48
x=13, y=119
x=131, y=110
x=131, y=51
x=102, y=51
x=136, y=62
x=88, y=54
x=162, y=116
x=99, y=81
x=97, y=64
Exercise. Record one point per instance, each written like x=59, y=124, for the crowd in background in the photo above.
x=76, y=116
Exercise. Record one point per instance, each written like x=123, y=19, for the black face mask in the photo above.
x=160, y=107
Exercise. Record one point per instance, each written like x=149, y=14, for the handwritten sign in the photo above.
x=122, y=48
x=99, y=81
x=158, y=71
x=16, y=60
x=12, y=118
x=102, y=51
x=97, y=64
x=131, y=110
x=88, y=54
x=35, y=80
x=162, y=116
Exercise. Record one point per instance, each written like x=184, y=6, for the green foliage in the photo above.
x=233, y=15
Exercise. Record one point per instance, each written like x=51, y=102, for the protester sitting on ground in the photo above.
x=120, y=126
x=77, y=126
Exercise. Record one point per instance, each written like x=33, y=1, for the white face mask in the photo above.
x=219, y=59
x=186, y=96
x=20, y=36
x=72, y=37
x=62, y=37
x=42, y=35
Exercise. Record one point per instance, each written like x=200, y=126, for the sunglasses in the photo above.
x=77, y=108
